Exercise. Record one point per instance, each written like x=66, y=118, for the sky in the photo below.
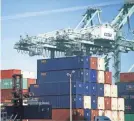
x=13, y=28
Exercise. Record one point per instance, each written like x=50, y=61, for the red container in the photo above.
x=107, y=101
x=31, y=81
x=127, y=77
x=6, y=94
x=108, y=77
x=6, y=74
x=93, y=63
x=93, y=114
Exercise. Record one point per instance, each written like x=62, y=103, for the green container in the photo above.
x=7, y=84
x=129, y=117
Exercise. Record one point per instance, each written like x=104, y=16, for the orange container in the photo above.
x=93, y=63
x=127, y=77
x=6, y=74
x=31, y=81
x=108, y=77
x=93, y=114
x=107, y=101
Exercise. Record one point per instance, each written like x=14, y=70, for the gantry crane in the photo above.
x=88, y=38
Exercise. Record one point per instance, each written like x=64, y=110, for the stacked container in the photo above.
x=126, y=90
x=92, y=91
x=6, y=83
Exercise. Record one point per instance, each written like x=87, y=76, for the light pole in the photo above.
x=70, y=79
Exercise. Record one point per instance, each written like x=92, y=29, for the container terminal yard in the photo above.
x=79, y=74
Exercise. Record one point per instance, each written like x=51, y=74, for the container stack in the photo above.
x=92, y=91
x=6, y=83
x=126, y=90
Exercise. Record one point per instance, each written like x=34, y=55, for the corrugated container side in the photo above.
x=63, y=63
x=125, y=87
x=5, y=74
x=93, y=63
x=82, y=75
x=107, y=102
x=129, y=106
x=59, y=88
x=93, y=114
x=129, y=117
x=108, y=77
x=94, y=101
x=64, y=101
x=127, y=77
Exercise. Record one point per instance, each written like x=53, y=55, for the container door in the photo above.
x=114, y=116
x=107, y=90
x=114, y=104
x=100, y=77
x=121, y=104
x=100, y=102
x=113, y=90
x=121, y=116
x=87, y=102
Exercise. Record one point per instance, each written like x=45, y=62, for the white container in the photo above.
x=101, y=64
x=114, y=91
x=27, y=74
x=87, y=102
x=100, y=77
x=101, y=112
x=121, y=104
x=100, y=102
x=107, y=90
x=114, y=104
x=108, y=113
x=114, y=116
x=121, y=116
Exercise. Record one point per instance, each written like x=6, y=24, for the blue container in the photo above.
x=126, y=95
x=57, y=76
x=100, y=90
x=129, y=106
x=87, y=114
x=94, y=102
x=125, y=87
x=59, y=88
x=93, y=75
x=93, y=89
x=63, y=101
x=87, y=89
x=63, y=63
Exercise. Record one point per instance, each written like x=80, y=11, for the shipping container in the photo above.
x=114, y=91
x=93, y=75
x=121, y=116
x=108, y=113
x=97, y=89
x=82, y=75
x=63, y=101
x=63, y=63
x=7, y=83
x=94, y=113
x=5, y=74
x=94, y=101
x=57, y=88
x=101, y=112
x=121, y=104
x=125, y=87
x=93, y=63
x=114, y=116
x=100, y=103
x=107, y=102
x=87, y=89
x=129, y=117
x=87, y=102
x=28, y=74
x=114, y=104
x=127, y=77
x=108, y=77
x=100, y=77
x=31, y=81
x=107, y=90
x=101, y=64
x=6, y=94
x=129, y=106
x=126, y=95
x=87, y=114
